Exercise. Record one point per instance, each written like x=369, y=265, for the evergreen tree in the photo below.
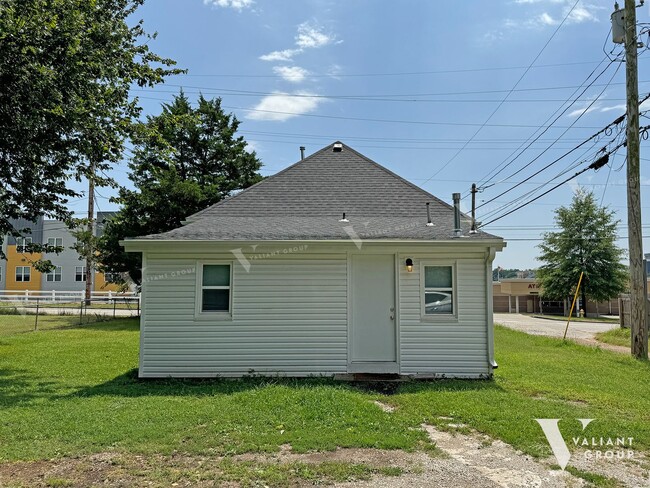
x=185, y=159
x=586, y=243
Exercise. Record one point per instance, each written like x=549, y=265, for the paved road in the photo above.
x=553, y=328
x=583, y=332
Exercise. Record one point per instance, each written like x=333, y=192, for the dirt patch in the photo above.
x=121, y=470
x=468, y=461
x=385, y=407
x=628, y=467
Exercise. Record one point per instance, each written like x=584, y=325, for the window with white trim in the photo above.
x=80, y=273
x=55, y=241
x=54, y=275
x=22, y=243
x=438, y=290
x=23, y=273
x=110, y=277
x=215, y=288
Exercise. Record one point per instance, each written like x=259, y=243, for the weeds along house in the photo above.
x=327, y=267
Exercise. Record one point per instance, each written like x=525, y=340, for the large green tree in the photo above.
x=586, y=242
x=184, y=160
x=66, y=68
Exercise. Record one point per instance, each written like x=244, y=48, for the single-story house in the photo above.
x=334, y=265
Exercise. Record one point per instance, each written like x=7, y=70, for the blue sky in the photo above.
x=410, y=84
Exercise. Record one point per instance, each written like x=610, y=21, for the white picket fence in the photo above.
x=65, y=296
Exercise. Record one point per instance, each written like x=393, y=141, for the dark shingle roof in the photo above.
x=307, y=200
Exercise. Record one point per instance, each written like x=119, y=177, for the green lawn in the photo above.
x=17, y=323
x=617, y=337
x=72, y=391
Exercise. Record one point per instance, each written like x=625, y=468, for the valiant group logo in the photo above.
x=555, y=439
x=597, y=447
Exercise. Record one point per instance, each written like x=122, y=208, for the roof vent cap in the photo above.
x=338, y=147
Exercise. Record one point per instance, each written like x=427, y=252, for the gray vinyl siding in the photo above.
x=290, y=316
x=68, y=259
x=445, y=347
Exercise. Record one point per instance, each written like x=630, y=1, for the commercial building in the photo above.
x=523, y=295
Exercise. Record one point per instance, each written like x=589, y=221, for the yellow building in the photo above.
x=19, y=271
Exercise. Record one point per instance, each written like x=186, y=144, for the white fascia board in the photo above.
x=138, y=245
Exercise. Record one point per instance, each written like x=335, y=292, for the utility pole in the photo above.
x=638, y=299
x=473, y=229
x=89, y=250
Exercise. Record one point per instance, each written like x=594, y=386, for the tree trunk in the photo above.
x=584, y=299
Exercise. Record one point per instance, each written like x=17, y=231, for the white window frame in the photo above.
x=56, y=272
x=54, y=241
x=24, y=242
x=199, y=313
x=84, y=274
x=110, y=274
x=22, y=274
x=439, y=317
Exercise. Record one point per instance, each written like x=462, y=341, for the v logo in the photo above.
x=555, y=439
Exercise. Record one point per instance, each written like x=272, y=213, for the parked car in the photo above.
x=438, y=302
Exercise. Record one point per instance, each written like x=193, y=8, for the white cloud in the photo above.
x=538, y=1
x=546, y=19
x=309, y=36
x=293, y=74
x=582, y=13
x=284, y=55
x=552, y=13
x=283, y=106
x=234, y=4
x=312, y=36
x=583, y=111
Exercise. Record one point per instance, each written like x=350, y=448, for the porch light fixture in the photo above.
x=409, y=265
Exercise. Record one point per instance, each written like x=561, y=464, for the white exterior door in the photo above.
x=373, y=330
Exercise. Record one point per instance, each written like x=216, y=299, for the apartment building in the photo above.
x=18, y=274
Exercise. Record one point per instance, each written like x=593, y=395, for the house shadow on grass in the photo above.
x=129, y=385
x=19, y=387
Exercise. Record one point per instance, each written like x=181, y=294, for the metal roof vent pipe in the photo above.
x=429, y=223
x=457, y=230
x=338, y=147
x=302, y=153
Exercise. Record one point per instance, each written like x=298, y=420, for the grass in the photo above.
x=594, y=479
x=11, y=325
x=73, y=391
x=617, y=337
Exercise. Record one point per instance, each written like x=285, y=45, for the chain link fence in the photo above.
x=23, y=313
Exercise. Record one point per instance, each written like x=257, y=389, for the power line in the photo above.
x=404, y=73
x=496, y=109
x=403, y=99
x=603, y=160
x=505, y=163
x=388, y=121
x=576, y=163
x=603, y=130
x=233, y=91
